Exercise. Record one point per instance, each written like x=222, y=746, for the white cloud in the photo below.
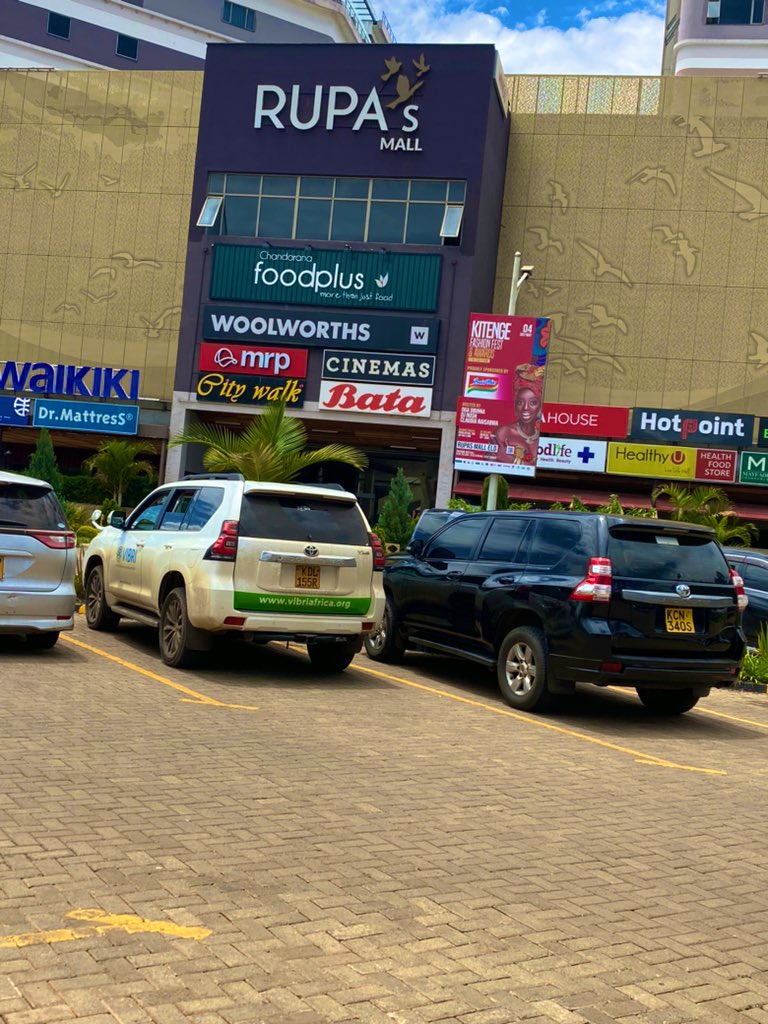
x=628, y=44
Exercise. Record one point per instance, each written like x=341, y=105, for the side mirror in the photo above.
x=116, y=519
x=96, y=518
x=416, y=547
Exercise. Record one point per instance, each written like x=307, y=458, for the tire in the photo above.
x=42, y=641
x=174, y=631
x=333, y=657
x=522, y=669
x=667, y=702
x=384, y=644
x=97, y=613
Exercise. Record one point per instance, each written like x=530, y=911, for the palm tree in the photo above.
x=707, y=506
x=272, y=447
x=116, y=463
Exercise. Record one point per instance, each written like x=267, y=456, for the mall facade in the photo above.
x=188, y=246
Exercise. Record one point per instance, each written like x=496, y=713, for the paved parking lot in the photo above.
x=249, y=843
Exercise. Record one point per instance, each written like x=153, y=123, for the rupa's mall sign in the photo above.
x=390, y=107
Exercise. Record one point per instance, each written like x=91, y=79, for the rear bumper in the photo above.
x=208, y=609
x=656, y=673
x=38, y=612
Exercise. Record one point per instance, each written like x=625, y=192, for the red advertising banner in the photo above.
x=259, y=360
x=498, y=419
x=585, y=420
x=717, y=466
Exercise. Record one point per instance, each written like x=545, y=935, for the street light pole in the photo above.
x=514, y=291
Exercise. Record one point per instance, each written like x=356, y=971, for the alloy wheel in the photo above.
x=520, y=669
x=94, y=596
x=377, y=639
x=173, y=628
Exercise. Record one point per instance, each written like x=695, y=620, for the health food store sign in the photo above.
x=326, y=277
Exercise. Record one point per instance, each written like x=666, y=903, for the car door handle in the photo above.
x=168, y=547
x=139, y=544
x=454, y=575
x=506, y=581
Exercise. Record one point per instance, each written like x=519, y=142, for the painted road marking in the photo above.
x=706, y=711
x=101, y=923
x=639, y=756
x=193, y=697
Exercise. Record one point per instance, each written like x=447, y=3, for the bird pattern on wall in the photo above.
x=642, y=246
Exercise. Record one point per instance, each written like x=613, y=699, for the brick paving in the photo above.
x=362, y=851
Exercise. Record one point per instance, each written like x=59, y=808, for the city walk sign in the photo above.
x=326, y=277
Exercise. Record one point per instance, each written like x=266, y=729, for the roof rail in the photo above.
x=214, y=476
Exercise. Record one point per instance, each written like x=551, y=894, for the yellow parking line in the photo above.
x=193, y=697
x=708, y=711
x=640, y=757
x=102, y=922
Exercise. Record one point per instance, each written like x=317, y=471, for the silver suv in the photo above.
x=37, y=562
x=217, y=554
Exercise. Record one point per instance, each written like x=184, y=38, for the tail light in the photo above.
x=596, y=585
x=224, y=548
x=379, y=558
x=61, y=540
x=738, y=585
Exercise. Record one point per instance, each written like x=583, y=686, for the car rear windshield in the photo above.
x=664, y=555
x=302, y=517
x=29, y=507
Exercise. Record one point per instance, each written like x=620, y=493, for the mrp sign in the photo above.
x=681, y=426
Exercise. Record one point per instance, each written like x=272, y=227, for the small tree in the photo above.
x=395, y=525
x=116, y=463
x=43, y=464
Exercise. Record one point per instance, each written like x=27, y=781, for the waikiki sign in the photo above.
x=326, y=277
x=69, y=379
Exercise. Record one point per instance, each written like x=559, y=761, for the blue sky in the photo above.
x=610, y=37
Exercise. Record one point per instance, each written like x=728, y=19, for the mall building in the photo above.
x=186, y=246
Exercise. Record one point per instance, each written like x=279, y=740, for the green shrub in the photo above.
x=394, y=525
x=85, y=489
x=462, y=506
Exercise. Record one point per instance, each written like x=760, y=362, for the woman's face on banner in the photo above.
x=527, y=406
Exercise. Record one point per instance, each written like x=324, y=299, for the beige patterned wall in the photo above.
x=643, y=204
x=95, y=180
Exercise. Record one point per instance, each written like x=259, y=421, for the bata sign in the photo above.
x=381, y=398
x=385, y=107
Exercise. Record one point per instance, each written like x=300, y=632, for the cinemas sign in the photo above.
x=378, y=366
x=372, y=332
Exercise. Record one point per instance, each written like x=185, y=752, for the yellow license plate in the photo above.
x=308, y=577
x=679, y=620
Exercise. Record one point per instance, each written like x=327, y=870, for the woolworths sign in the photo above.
x=321, y=277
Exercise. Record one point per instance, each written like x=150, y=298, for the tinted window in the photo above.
x=667, y=556
x=205, y=504
x=558, y=544
x=127, y=46
x=178, y=506
x=58, y=25
x=25, y=506
x=755, y=575
x=503, y=540
x=301, y=517
x=146, y=516
x=458, y=540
